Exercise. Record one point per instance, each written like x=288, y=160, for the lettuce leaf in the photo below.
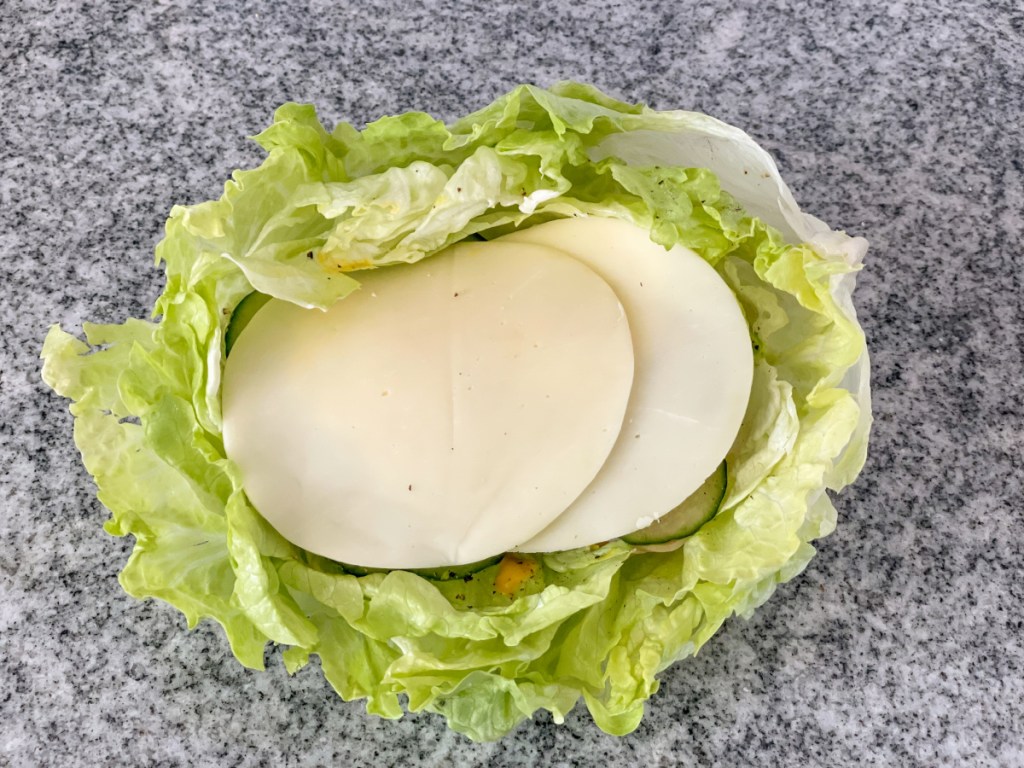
x=598, y=623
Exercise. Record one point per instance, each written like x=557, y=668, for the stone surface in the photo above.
x=902, y=642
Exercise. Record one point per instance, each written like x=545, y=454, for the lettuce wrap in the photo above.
x=597, y=623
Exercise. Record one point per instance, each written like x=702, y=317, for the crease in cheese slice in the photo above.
x=694, y=369
x=443, y=413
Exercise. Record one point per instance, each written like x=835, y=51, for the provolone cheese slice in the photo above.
x=694, y=367
x=443, y=413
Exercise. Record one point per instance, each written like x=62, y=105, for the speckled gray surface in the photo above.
x=902, y=642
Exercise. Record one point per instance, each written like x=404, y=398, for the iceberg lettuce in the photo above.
x=598, y=623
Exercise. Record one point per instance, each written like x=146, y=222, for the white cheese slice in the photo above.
x=694, y=367
x=443, y=413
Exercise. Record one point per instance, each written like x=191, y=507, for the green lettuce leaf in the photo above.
x=596, y=624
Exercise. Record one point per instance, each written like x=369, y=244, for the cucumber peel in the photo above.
x=440, y=573
x=451, y=572
x=687, y=518
x=244, y=312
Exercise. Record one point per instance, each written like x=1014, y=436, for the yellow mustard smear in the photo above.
x=353, y=265
x=514, y=571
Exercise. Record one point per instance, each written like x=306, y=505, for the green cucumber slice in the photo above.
x=240, y=318
x=441, y=573
x=451, y=572
x=695, y=510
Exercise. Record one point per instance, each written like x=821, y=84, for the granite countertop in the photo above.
x=902, y=642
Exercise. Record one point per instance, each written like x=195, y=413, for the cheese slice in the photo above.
x=443, y=413
x=694, y=368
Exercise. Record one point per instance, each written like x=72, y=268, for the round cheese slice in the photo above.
x=694, y=368
x=443, y=413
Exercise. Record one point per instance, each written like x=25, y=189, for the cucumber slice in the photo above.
x=441, y=573
x=240, y=318
x=359, y=570
x=695, y=510
x=452, y=572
